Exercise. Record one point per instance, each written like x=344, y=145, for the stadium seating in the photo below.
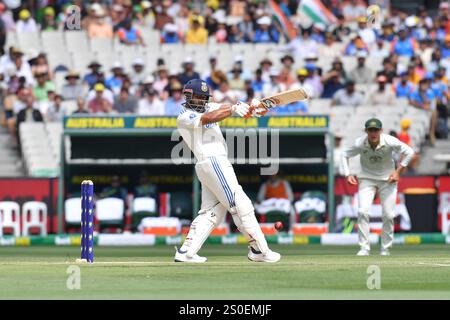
x=10, y=217
x=34, y=215
x=143, y=207
x=72, y=216
x=110, y=213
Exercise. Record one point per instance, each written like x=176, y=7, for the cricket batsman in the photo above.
x=378, y=174
x=221, y=191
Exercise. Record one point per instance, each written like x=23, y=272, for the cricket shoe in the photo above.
x=385, y=252
x=363, y=252
x=180, y=256
x=257, y=256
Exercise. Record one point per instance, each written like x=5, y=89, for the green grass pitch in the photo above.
x=305, y=272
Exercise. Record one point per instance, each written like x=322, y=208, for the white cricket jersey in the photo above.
x=377, y=164
x=204, y=141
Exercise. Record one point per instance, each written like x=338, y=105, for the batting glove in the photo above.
x=241, y=109
x=257, y=108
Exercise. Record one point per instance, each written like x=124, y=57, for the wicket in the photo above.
x=87, y=221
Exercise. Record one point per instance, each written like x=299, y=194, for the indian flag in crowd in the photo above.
x=316, y=11
x=288, y=27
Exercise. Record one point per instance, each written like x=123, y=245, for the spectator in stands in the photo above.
x=347, y=96
x=212, y=66
x=235, y=35
x=380, y=50
x=224, y=94
x=288, y=62
x=196, y=34
x=246, y=27
x=275, y=194
x=353, y=9
x=42, y=87
x=114, y=82
x=361, y=74
x=273, y=85
x=182, y=19
x=40, y=65
x=265, y=66
x=146, y=188
x=389, y=70
x=124, y=102
x=355, y=45
x=404, y=137
x=404, y=45
x=314, y=79
x=367, y=34
x=163, y=17
x=331, y=84
x=403, y=88
x=330, y=48
x=115, y=190
x=30, y=113
x=173, y=105
x=94, y=76
x=99, y=104
x=150, y=105
x=162, y=80
x=286, y=81
x=258, y=84
x=236, y=81
x=72, y=89
x=49, y=22
x=341, y=29
x=80, y=106
x=26, y=22
x=100, y=27
x=137, y=74
x=423, y=98
x=16, y=60
x=302, y=46
x=302, y=75
x=55, y=112
x=130, y=35
x=265, y=33
x=317, y=32
x=442, y=95
x=383, y=94
x=221, y=34
x=188, y=71
x=170, y=34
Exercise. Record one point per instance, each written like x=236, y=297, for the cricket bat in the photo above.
x=283, y=98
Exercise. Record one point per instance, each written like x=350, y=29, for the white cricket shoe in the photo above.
x=385, y=252
x=182, y=257
x=363, y=252
x=257, y=256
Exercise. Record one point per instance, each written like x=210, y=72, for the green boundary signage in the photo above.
x=137, y=122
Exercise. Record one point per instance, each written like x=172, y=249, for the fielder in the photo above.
x=221, y=192
x=378, y=174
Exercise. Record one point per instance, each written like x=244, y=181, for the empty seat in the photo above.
x=10, y=217
x=110, y=212
x=34, y=215
x=143, y=207
x=72, y=212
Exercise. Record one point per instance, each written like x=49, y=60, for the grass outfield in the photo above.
x=305, y=272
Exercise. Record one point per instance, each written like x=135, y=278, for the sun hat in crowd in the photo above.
x=72, y=74
x=264, y=20
x=24, y=14
x=99, y=87
x=138, y=62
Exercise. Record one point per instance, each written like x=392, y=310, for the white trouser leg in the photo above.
x=211, y=214
x=388, y=196
x=366, y=193
x=218, y=175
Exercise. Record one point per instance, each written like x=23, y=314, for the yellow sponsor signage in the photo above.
x=301, y=240
x=292, y=122
x=413, y=239
x=24, y=242
x=95, y=123
x=157, y=122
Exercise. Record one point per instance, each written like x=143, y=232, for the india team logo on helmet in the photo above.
x=204, y=87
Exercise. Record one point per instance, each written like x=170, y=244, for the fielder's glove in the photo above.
x=241, y=109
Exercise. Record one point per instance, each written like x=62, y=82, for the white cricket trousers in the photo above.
x=218, y=180
x=367, y=190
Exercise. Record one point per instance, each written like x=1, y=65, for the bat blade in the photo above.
x=284, y=98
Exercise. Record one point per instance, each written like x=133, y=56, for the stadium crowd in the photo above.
x=415, y=52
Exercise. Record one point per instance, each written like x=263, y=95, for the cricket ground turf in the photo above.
x=305, y=272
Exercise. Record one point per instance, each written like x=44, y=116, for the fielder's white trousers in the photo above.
x=367, y=190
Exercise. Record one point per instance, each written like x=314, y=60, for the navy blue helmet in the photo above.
x=196, y=93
